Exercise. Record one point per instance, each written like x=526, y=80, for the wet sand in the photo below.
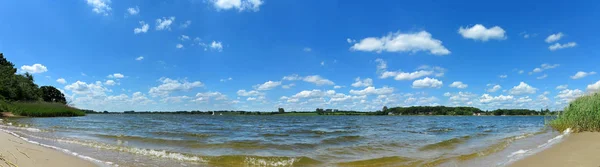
x=16, y=152
x=577, y=150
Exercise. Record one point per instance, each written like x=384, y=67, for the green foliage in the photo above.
x=53, y=95
x=281, y=110
x=44, y=109
x=582, y=114
x=20, y=95
x=514, y=112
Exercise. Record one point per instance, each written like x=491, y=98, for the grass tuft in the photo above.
x=582, y=114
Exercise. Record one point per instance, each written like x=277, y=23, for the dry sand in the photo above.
x=577, y=150
x=16, y=152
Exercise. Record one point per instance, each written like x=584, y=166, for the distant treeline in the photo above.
x=414, y=110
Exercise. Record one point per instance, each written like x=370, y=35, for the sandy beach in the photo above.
x=577, y=150
x=16, y=152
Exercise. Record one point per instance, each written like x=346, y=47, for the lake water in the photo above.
x=204, y=140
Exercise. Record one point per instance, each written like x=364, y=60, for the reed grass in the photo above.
x=582, y=114
x=39, y=109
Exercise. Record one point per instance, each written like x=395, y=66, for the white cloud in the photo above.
x=249, y=93
x=208, y=97
x=61, y=81
x=494, y=88
x=288, y=86
x=168, y=86
x=110, y=82
x=337, y=87
x=318, y=80
x=398, y=75
x=486, y=98
x=479, y=32
x=174, y=99
x=554, y=37
x=116, y=75
x=350, y=40
x=544, y=66
x=522, y=88
x=542, y=77
x=92, y=89
x=595, y=87
x=179, y=46
x=521, y=71
x=133, y=11
x=561, y=87
x=240, y=5
x=34, y=69
x=216, y=46
x=142, y=29
x=557, y=46
x=399, y=42
x=503, y=76
x=582, y=74
x=184, y=37
x=267, y=85
x=307, y=49
x=362, y=83
x=225, y=80
x=139, y=58
x=100, y=6
x=460, y=97
x=427, y=83
x=164, y=23
x=568, y=95
x=373, y=91
x=459, y=85
x=186, y=24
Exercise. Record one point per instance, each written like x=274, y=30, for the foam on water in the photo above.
x=520, y=154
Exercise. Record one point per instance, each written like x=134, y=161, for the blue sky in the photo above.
x=300, y=55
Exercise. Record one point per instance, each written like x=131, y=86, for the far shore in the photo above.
x=16, y=152
x=577, y=149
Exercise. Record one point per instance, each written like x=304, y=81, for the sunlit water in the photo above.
x=204, y=140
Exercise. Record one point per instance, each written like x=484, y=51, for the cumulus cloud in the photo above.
x=554, y=37
x=240, y=5
x=480, y=32
x=402, y=42
x=422, y=71
x=133, y=11
x=34, y=69
x=427, y=83
x=110, y=82
x=92, y=89
x=184, y=37
x=139, y=58
x=542, y=77
x=186, y=24
x=373, y=91
x=267, y=85
x=568, y=95
x=209, y=96
x=249, y=93
x=522, y=88
x=543, y=67
x=459, y=85
x=595, y=87
x=582, y=74
x=316, y=79
x=61, y=81
x=486, y=98
x=143, y=29
x=100, y=6
x=164, y=23
x=218, y=46
x=179, y=46
x=168, y=86
x=493, y=88
x=362, y=83
x=116, y=75
x=557, y=46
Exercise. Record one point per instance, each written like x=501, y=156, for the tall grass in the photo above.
x=582, y=114
x=40, y=109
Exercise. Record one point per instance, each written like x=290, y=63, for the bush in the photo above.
x=582, y=114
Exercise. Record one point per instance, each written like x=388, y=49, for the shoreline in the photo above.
x=15, y=151
x=577, y=149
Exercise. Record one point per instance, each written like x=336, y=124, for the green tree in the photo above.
x=281, y=110
x=7, y=76
x=51, y=94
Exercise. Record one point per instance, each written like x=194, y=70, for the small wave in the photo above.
x=33, y=130
x=341, y=139
x=384, y=161
x=439, y=130
x=177, y=134
x=446, y=144
x=518, y=153
x=274, y=135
